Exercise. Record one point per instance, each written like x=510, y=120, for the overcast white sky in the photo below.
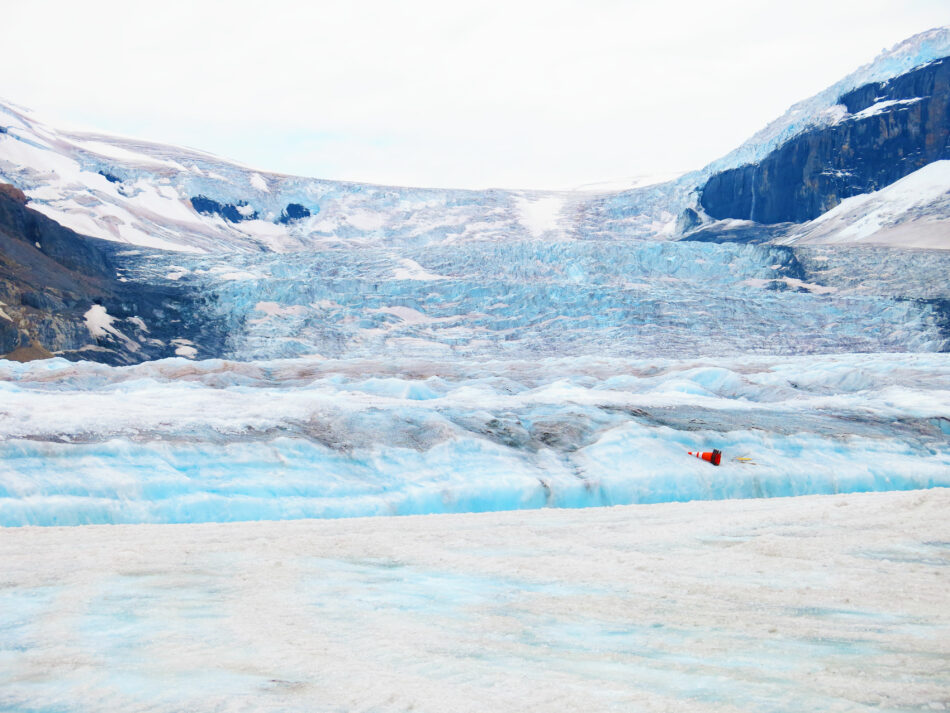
x=547, y=94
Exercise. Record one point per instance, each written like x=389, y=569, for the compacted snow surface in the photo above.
x=821, y=603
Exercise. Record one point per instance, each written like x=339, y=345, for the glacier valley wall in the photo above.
x=886, y=131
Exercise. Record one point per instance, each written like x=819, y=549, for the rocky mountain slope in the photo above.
x=879, y=124
x=885, y=132
x=65, y=293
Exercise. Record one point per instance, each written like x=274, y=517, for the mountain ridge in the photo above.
x=143, y=193
x=202, y=257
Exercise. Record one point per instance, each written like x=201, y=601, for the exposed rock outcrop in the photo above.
x=31, y=353
x=233, y=212
x=891, y=129
x=293, y=212
x=60, y=294
x=13, y=193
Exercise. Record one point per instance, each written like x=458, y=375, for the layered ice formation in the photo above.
x=182, y=441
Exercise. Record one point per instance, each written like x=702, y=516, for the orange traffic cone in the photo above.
x=715, y=457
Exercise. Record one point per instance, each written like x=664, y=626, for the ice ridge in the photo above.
x=182, y=441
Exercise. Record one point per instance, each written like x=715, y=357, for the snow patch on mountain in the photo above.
x=540, y=215
x=100, y=325
x=258, y=183
x=185, y=348
x=882, y=106
x=913, y=212
x=409, y=269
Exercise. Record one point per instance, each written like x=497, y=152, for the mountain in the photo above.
x=120, y=250
x=170, y=198
x=883, y=132
x=54, y=284
x=879, y=124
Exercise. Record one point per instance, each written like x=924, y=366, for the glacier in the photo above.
x=492, y=376
x=349, y=349
x=538, y=298
x=178, y=441
x=519, y=376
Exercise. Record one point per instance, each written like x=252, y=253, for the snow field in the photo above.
x=830, y=603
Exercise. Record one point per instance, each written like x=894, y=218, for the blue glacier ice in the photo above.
x=533, y=298
x=218, y=440
x=497, y=376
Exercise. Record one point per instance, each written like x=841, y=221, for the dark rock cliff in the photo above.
x=50, y=279
x=229, y=211
x=816, y=170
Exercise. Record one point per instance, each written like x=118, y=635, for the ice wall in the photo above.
x=181, y=441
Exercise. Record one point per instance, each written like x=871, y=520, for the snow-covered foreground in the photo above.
x=184, y=441
x=821, y=603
